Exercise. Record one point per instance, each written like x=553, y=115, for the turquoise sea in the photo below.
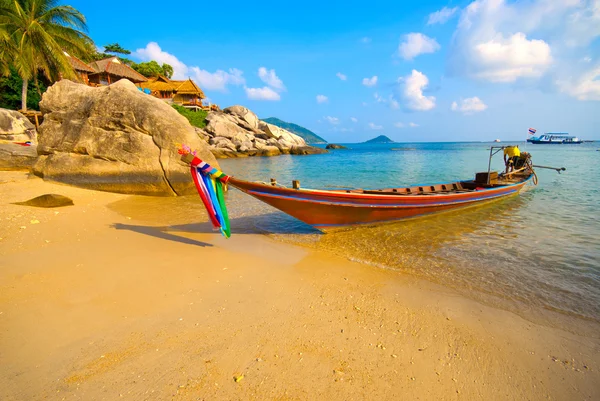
x=537, y=254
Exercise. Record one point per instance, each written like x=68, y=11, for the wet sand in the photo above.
x=95, y=305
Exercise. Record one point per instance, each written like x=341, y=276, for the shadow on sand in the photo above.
x=271, y=223
x=162, y=233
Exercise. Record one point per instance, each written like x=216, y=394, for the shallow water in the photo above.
x=537, y=254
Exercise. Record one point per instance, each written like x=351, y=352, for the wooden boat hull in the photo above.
x=327, y=210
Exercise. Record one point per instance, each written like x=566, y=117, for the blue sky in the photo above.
x=414, y=71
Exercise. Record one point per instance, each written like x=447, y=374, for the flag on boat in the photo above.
x=532, y=131
x=210, y=184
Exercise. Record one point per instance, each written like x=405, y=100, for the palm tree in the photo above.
x=37, y=34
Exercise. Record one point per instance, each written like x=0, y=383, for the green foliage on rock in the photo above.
x=306, y=134
x=196, y=118
x=153, y=69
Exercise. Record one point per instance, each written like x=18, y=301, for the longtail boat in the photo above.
x=331, y=209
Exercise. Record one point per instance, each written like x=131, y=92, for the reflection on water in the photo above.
x=536, y=252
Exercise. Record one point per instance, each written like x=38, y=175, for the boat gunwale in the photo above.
x=382, y=196
x=385, y=206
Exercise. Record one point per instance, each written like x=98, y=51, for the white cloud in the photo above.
x=270, y=78
x=502, y=41
x=365, y=40
x=586, y=87
x=415, y=44
x=152, y=51
x=370, y=81
x=341, y=76
x=322, y=99
x=217, y=80
x=402, y=125
x=376, y=127
x=442, y=16
x=507, y=59
x=412, y=92
x=354, y=119
x=394, y=104
x=587, y=59
x=469, y=105
x=264, y=93
x=332, y=120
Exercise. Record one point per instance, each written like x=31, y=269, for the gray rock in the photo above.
x=244, y=114
x=15, y=127
x=334, y=146
x=274, y=131
x=115, y=138
x=248, y=136
x=205, y=136
x=220, y=124
x=17, y=157
x=306, y=150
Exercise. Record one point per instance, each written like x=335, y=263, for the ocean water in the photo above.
x=537, y=254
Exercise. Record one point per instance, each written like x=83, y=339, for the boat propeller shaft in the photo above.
x=558, y=169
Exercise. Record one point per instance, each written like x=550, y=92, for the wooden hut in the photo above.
x=110, y=70
x=185, y=93
x=81, y=69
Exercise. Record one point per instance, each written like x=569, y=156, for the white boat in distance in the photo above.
x=555, y=138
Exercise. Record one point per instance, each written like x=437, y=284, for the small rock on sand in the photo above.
x=47, y=200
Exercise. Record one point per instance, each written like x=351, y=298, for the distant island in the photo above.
x=306, y=134
x=380, y=139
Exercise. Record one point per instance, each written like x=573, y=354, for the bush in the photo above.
x=196, y=118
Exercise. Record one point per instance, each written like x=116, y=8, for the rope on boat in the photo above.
x=209, y=183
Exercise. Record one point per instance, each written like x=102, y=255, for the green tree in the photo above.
x=153, y=69
x=10, y=91
x=167, y=70
x=39, y=33
x=115, y=48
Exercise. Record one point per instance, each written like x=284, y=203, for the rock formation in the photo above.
x=114, y=138
x=237, y=132
x=15, y=127
x=334, y=146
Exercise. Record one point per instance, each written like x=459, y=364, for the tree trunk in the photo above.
x=24, y=95
x=37, y=85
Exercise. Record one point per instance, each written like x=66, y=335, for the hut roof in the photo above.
x=165, y=84
x=113, y=66
x=79, y=65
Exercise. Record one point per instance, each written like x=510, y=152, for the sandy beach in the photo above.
x=96, y=305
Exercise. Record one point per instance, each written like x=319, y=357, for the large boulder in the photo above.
x=237, y=132
x=243, y=114
x=115, y=138
x=15, y=127
x=274, y=131
x=220, y=124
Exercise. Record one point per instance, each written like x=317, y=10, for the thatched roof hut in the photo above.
x=111, y=69
x=183, y=92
